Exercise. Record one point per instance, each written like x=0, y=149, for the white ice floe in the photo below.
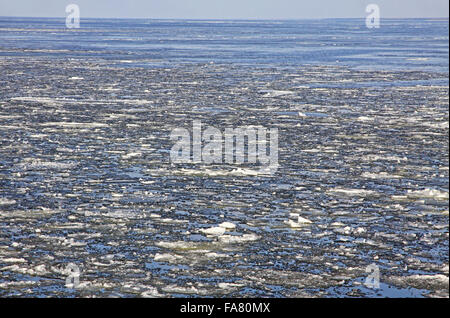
x=214, y=173
x=74, y=125
x=275, y=93
x=176, y=245
x=214, y=231
x=428, y=193
x=10, y=127
x=238, y=239
x=219, y=230
x=166, y=257
x=434, y=124
x=4, y=202
x=265, y=171
x=437, y=281
x=43, y=100
x=227, y=225
x=384, y=158
x=299, y=221
x=131, y=155
x=151, y=292
x=229, y=285
x=360, y=230
x=14, y=284
x=215, y=255
x=41, y=269
x=381, y=175
x=348, y=230
x=365, y=118
x=12, y=260
x=417, y=59
x=38, y=164
x=356, y=192
x=182, y=290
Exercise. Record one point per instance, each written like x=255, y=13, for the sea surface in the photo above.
x=92, y=206
x=413, y=44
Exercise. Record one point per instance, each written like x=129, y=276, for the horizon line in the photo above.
x=226, y=19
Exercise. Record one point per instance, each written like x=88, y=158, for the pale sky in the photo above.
x=227, y=9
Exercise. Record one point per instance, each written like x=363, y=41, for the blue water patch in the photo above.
x=418, y=44
x=384, y=291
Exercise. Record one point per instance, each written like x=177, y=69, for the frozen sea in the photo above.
x=86, y=181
